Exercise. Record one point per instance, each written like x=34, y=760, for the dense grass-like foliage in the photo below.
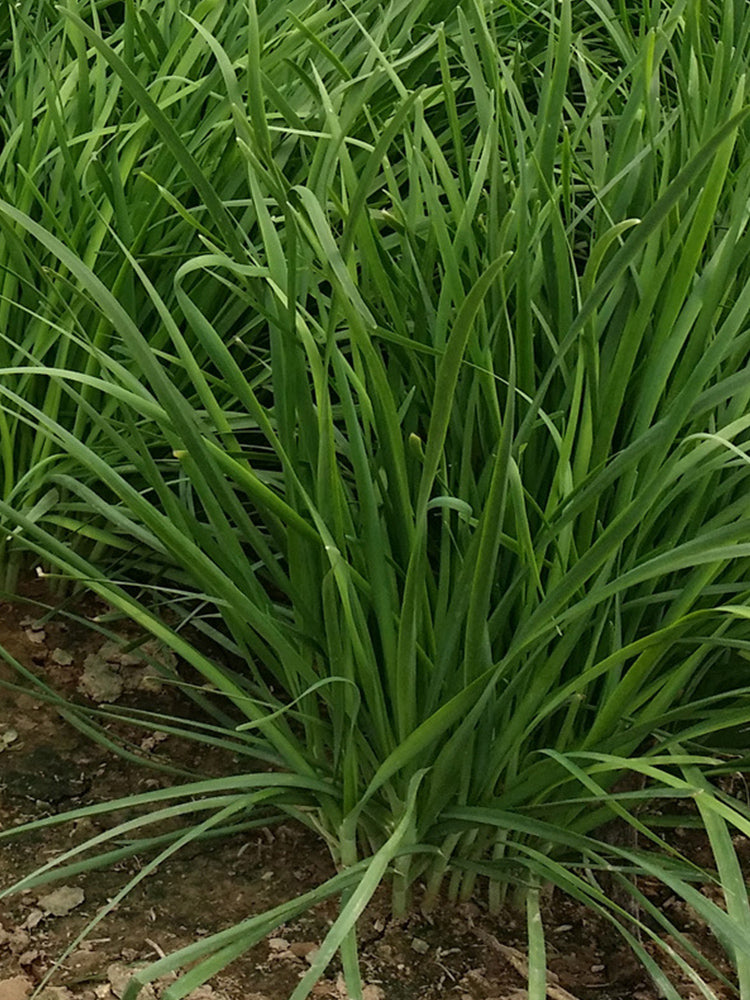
x=404, y=352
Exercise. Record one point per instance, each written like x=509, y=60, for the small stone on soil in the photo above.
x=149, y=743
x=99, y=681
x=301, y=949
x=32, y=623
x=16, y=988
x=18, y=941
x=34, y=917
x=119, y=976
x=62, y=900
x=7, y=736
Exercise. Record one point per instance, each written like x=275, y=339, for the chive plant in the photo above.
x=404, y=353
x=78, y=157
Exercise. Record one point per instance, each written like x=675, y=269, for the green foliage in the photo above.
x=404, y=352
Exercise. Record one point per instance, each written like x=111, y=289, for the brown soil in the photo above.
x=47, y=766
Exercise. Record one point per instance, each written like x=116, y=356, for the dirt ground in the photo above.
x=47, y=766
